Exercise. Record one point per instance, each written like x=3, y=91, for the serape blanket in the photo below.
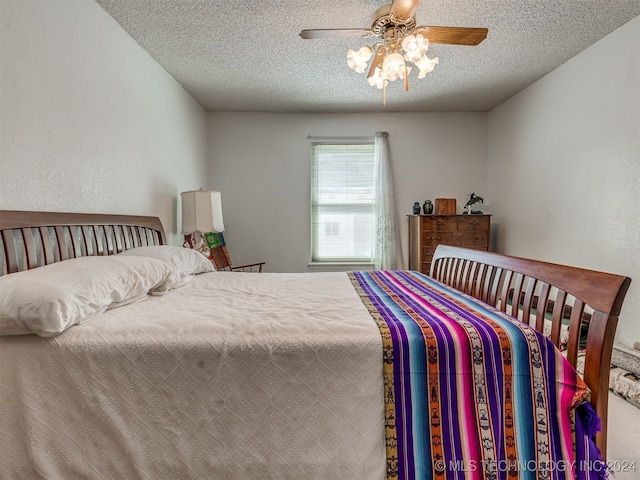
x=472, y=393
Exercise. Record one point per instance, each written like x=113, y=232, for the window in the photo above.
x=332, y=228
x=341, y=202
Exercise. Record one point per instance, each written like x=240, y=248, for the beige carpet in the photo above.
x=623, y=439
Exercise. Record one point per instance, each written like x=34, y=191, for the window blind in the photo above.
x=341, y=201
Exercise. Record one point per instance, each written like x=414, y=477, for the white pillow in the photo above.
x=184, y=262
x=48, y=300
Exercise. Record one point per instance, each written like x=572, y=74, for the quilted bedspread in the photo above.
x=234, y=376
x=469, y=391
x=291, y=376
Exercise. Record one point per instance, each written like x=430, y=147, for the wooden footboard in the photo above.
x=547, y=296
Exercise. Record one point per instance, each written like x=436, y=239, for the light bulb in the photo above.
x=414, y=47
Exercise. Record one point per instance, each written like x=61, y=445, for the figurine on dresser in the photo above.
x=473, y=199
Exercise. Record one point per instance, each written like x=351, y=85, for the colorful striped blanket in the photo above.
x=471, y=392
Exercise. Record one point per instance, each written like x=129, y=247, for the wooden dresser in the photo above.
x=427, y=231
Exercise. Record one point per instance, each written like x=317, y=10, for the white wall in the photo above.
x=564, y=166
x=261, y=164
x=89, y=122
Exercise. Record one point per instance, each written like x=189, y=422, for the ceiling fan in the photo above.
x=401, y=40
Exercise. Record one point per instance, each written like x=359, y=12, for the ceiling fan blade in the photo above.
x=404, y=9
x=335, y=33
x=453, y=35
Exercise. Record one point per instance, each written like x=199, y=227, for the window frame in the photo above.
x=315, y=259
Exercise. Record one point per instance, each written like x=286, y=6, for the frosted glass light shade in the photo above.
x=201, y=212
x=426, y=65
x=376, y=80
x=393, y=67
x=358, y=60
x=415, y=47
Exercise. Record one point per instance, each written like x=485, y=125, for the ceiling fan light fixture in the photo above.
x=402, y=43
x=401, y=47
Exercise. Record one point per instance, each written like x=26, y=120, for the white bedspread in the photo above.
x=233, y=376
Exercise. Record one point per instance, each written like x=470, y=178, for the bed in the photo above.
x=355, y=375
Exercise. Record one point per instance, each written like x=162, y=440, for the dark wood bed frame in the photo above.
x=517, y=286
x=570, y=295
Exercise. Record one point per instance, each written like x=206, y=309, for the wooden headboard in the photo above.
x=546, y=294
x=34, y=239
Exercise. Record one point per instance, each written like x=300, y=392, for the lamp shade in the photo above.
x=393, y=67
x=358, y=60
x=201, y=212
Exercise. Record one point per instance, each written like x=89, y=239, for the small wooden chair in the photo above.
x=220, y=257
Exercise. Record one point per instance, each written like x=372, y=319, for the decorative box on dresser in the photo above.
x=426, y=232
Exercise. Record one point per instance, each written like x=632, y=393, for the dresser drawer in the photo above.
x=427, y=254
x=477, y=239
x=473, y=223
x=434, y=237
x=439, y=224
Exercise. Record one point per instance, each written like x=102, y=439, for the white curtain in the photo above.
x=387, y=251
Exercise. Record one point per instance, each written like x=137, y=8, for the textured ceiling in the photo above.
x=247, y=55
